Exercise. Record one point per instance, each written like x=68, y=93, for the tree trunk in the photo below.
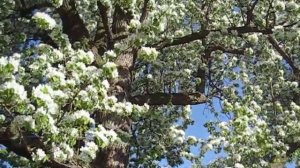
x=117, y=156
x=112, y=157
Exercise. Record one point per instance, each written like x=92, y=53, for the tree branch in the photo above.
x=144, y=11
x=166, y=98
x=225, y=50
x=73, y=25
x=121, y=18
x=103, y=13
x=204, y=33
x=249, y=29
x=281, y=51
x=16, y=146
x=292, y=148
x=250, y=14
x=183, y=40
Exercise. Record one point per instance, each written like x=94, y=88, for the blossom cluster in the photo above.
x=44, y=20
x=148, y=54
x=55, y=92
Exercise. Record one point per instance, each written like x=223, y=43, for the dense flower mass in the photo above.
x=86, y=80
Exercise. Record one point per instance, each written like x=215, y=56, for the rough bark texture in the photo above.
x=112, y=157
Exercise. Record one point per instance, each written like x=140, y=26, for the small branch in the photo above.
x=292, y=148
x=250, y=14
x=225, y=50
x=172, y=98
x=242, y=12
x=291, y=24
x=268, y=13
x=185, y=39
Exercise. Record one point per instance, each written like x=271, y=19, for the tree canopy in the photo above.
x=110, y=83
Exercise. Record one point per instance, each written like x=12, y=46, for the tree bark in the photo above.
x=112, y=157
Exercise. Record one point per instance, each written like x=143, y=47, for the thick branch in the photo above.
x=73, y=25
x=281, y=51
x=204, y=33
x=55, y=164
x=144, y=11
x=121, y=18
x=18, y=147
x=173, y=98
x=103, y=13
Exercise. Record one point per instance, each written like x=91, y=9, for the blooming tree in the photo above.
x=110, y=83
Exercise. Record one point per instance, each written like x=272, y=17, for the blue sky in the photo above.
x=201, y=114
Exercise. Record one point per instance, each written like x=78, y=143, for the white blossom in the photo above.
x=192, y=140
x=39, y=155
x=134, y=24
x=110, y=54
x=57, y=3
x=88, y=152
x=59, y=155
x=44, y=20
x=148, y=53
x=253, y=38
x=238, y=165
x=105, y=83
x=149, y=76
x=17, y=89
x=2, y=118
x=110, y=69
